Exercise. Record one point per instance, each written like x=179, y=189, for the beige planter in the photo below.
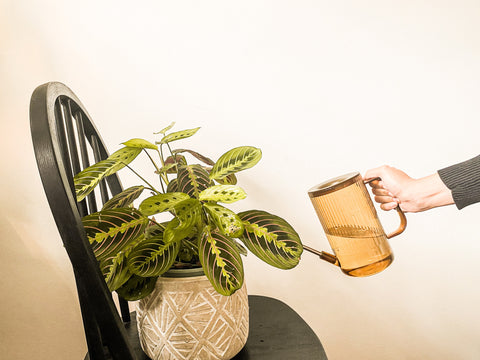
x=185, y=318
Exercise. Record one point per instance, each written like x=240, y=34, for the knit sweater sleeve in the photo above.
x=463, y=179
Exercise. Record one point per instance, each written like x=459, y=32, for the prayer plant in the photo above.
x=133, y=248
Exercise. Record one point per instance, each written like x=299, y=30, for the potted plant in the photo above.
x=144, y=258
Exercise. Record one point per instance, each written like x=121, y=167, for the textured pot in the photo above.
x=185, y=318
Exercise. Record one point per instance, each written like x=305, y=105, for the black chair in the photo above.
x=65, y=142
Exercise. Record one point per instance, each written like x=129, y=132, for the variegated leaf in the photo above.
x=226, y=220
x=271, y=238
x=162, y=202
x=140, y=143
x=223, y=193
x=152, y=256
x=164, y=130
x=228, y=180
x=115, y=271
x=192, y=179
x=111, y=231
x=235, y=160
x=122, y=158
x=188, y=216
x=200, y=157
x=137, y=287
x=178, y=135
x=86, y=180
x=172, y=186
x=221, y=262
x=125, y=198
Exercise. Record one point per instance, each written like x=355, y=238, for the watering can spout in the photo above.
x=332, y=259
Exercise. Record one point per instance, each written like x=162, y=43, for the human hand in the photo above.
x=396, y=188
x=388, y=190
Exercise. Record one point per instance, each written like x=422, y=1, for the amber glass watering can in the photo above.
x=351, y=224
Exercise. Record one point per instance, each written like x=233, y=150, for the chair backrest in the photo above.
x=65, y=142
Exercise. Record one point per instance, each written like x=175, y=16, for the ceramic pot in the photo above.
x=185, y=318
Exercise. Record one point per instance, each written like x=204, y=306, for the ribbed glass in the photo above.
x=353, y=229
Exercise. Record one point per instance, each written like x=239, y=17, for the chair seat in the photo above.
x=277, y=332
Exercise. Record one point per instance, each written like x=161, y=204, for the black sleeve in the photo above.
x=464, y=181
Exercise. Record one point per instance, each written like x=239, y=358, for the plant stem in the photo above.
x=192, y=245
x=146, y=182
x=158, y=170
x=163, y=176
x=161, y=184
x=161, y=155
x=153, y=162
x=171, y=153
x=157, y=223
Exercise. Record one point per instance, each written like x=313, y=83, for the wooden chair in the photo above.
x=65, y=142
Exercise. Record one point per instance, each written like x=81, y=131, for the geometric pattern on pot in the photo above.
x=185, y=318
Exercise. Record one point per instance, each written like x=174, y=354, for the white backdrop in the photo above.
x=322, y=87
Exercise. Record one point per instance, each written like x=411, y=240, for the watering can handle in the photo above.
x=403, y=219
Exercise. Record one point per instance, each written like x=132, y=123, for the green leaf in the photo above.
x=228, y=180
x=178, y=135
x=223, y=193
x=115, y=268
x=164, y=130
x=188, y=216
x=226, y=220
x=152, y=256
x=122, y=158
x=271, y=238
x=235, y=160
x=163, y=202
x=221, y=262
x=172, y=186
x=115, y=271
x=192, y=180
x=86, y=180
x=125, y=198
x=140, y=143
x=137, y=287
x=111, y=231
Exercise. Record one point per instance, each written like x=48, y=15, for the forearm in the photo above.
x=424, y=194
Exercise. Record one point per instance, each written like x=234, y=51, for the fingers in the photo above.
x=376, y=172
x=382, y=196
x=388, y=206
x=386, y=200
x=380, y=191
x=376, y=183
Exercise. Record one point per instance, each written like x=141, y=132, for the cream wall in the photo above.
x=323, y=87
